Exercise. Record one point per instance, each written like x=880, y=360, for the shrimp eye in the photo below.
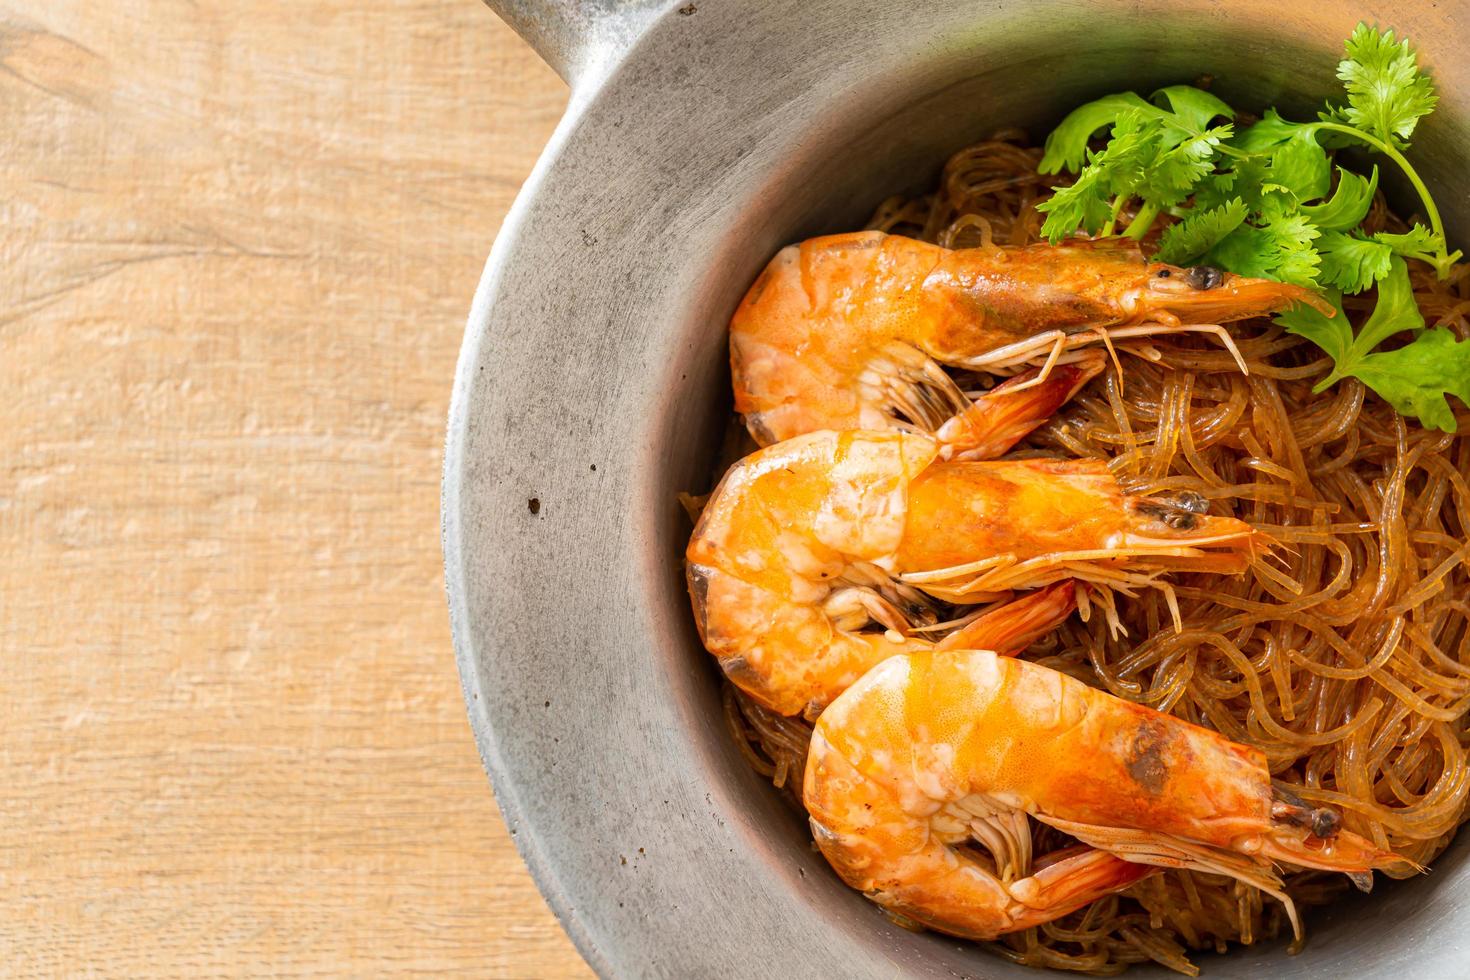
x=1326, y=823
x=1181, y=520
x=1204, y=277
x=1193, y=502
x=1169, y=514
x=1164, y=273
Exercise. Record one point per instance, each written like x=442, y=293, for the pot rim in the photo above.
x=614, y=948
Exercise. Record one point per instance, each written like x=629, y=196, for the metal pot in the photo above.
x=592, y=387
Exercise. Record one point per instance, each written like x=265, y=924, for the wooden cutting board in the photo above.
x=239, y=243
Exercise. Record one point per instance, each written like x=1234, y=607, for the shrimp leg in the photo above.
x=1002, y=417
x=1011, y=628
x=1049, y=894
x=1071, y=882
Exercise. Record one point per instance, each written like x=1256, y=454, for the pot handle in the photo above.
x=576, y=37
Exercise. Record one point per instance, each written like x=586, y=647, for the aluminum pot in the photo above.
x=593, y=385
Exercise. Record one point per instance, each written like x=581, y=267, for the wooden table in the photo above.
x=239, y=244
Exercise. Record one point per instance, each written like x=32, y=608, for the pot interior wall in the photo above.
x=890, y=132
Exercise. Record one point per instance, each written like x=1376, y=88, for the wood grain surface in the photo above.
x=239, y=243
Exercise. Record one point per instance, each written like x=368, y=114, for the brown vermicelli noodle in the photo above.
x=1344, y=656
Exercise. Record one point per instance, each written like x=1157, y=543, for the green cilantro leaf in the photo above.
x=1416, y=239
x=1279, y=246
x=1270, y=132
x=1189, y=114
x=1246, y=251
x=1186, y=241
x=1156, y=153
x=1163, y=152
x=1085, y=204
x=1417, y=242
x=1256, y=202
x=1387, y=94
x=1066, y=147
x=1246, y=179
x=1348, y=205
x=1191, y=109
x=1119, y=170
x=1394, y=312
x=1293, y=257
x=1173, y=173
x=1132, y=151
x=1297, y=160
x=1334, y=335
x=1415, y=378
x=1300, y=165
x=1352, y=263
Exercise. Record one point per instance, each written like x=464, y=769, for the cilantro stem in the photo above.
x=1441, y=261
x=1142, y=221
x=1118, y=203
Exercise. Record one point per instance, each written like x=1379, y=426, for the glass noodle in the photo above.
x=1344, y=656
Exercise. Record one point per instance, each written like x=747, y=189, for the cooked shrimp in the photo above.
x=933, y=750
x=844, y=332
x=807, y=545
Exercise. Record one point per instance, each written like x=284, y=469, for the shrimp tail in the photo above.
x=1002, y=417
x=1010, y=628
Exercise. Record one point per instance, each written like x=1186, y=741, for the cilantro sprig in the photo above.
x=1414, y=378
x=1267, y=201
x=1157, y=154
